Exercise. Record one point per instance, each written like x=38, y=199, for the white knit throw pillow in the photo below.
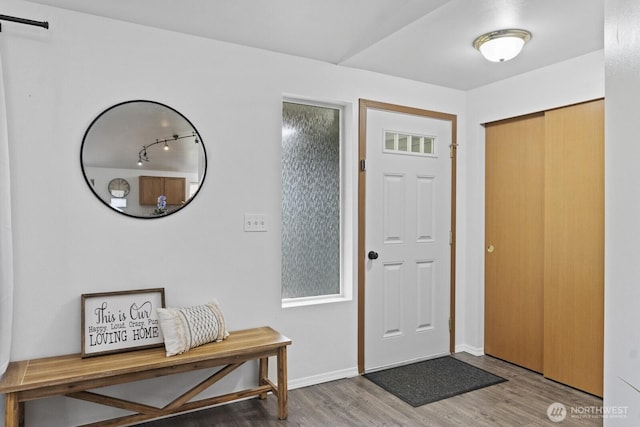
x=188, y=327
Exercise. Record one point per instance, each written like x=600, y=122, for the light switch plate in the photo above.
x=255, y=222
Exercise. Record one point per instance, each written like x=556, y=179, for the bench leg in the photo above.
x=283, y=411
x=13, y=411
x=263, y=374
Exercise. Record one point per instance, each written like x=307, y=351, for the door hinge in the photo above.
x=363, y=165
x=451, y=148
x=450, y=238
x=449, y=324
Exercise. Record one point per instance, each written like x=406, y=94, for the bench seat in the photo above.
x=72, y=376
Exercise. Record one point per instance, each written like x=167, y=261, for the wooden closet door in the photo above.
x=574, y=246
x=514, y=240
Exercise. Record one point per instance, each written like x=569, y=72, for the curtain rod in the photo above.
x=43, y=24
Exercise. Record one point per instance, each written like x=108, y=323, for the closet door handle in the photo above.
x=490, y=248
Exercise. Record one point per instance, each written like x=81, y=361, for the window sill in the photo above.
x=304, y=301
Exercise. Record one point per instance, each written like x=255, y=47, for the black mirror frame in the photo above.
x=91, y=186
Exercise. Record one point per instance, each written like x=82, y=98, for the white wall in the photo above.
x=565, y=83
x=622, y=210
x=68, y=243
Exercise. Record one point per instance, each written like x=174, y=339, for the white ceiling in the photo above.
x=423, y=40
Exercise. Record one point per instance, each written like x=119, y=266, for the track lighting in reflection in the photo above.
x=142, y=154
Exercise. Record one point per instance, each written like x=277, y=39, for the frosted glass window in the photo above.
x=416, y=146
x=389, y=141
x=428, y=146
x=395, y=142
x=310, y=200
x=402, y=142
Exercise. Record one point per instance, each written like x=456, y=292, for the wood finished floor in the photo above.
x=521, y=401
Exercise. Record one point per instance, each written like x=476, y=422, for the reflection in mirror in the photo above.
x=143, y=159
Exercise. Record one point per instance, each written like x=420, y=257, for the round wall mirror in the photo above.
x=143, y=159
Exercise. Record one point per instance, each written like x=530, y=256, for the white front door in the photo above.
x=407, y=238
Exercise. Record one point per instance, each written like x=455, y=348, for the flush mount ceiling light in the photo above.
x=501, y=45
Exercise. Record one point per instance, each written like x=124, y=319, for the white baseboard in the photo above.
x=476, y=351
x=323, y=378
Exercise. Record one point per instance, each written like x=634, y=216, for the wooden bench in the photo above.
x=72, y=376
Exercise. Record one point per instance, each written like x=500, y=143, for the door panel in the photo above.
x=426, y=294
x=394, y=207
x=514, y=240
x=408, y=211
x=393, y=279
x=426, y=197
x=574, y=248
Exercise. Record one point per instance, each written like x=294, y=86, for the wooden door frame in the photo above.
x=364, y=106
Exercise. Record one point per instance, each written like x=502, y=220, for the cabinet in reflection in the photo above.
x=152, y=187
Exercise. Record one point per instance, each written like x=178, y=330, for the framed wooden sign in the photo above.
x=114, y=322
